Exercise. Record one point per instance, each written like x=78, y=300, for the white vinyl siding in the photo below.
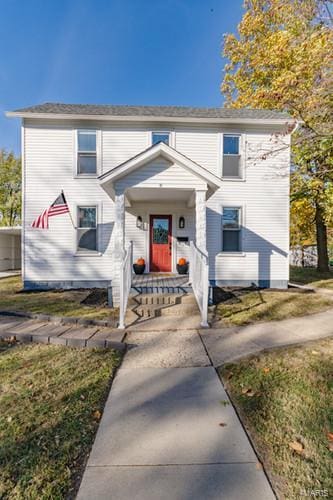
x=50, y=151
x=160, y=173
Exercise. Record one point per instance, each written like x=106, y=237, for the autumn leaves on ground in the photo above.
x=285, y=401
x=51, y=403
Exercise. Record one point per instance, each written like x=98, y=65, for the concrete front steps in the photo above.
x=154, y=305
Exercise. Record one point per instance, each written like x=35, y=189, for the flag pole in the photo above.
x=70, y=215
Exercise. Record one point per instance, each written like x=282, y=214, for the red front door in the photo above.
x=160, y=243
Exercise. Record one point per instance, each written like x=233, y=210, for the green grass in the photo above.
x=247, y=307
x=310, y=276
x=62, y=303
x=286, y=397
x=50, y=401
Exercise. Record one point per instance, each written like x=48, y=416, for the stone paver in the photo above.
x=52, y=330
x=83, y=333
x=25, y=327
x=9, y=322
x=164, y=349
x=109, y=334
x=75, y=335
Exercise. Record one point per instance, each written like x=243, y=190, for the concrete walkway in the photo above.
x=229, y=344
x=168, y=430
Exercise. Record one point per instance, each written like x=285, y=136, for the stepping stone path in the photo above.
x=30, y=330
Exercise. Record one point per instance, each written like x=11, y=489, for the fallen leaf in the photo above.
x=259, y=466
x=297, y=447
x=97, y=414
x=247, y=391
x=330, y=446
x=330, y=436
x=9, y=419
x=315, y=352
x=266, y=369
x=82, y=397
x=222, y=424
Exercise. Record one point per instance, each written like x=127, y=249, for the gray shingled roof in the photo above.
x=153, y=111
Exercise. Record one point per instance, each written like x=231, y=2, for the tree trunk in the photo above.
x=321, y=233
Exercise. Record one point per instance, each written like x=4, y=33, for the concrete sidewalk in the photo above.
x=228, y=344
x=168, y=430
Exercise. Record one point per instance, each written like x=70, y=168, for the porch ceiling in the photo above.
x=159, y=195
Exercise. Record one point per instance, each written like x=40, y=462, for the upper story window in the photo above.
x=231, y=164
x=87, y=229
x=160, y=137
x=86, y=152
x=231, y=228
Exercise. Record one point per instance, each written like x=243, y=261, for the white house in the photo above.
x=207, y=184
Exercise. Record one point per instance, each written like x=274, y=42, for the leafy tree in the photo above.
x=10, y=189
x=282, y=59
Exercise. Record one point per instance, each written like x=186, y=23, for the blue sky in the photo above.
x=111, y=52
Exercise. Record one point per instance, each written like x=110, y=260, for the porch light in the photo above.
x=181, y=223
x=139, y=223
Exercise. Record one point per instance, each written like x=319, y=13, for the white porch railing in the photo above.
x=199, y=280
x=125, y=283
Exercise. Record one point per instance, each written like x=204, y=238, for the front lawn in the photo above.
x=284, y=399
x=51, y=401
x=56, y=302
x=242, y=307
x=310, y=276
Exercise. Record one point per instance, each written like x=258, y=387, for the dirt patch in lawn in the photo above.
x=84, y=303
x=51, y=402
x=285, y=401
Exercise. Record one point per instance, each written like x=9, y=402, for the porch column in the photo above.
x=119, y=245
x=200, y=221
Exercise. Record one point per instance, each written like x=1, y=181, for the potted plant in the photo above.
x=182, y=266
x=139, y=266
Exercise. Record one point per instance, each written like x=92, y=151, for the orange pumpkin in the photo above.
x=182, y=261
x=141, y=261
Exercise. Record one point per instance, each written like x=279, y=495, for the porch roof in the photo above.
x=159, y=150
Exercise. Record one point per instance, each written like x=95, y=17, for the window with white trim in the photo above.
x=87, y=229
x=86, y=152
x=231, y=161
x=157, y=137
x=231, y=229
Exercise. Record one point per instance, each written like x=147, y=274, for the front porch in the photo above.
x=160, y=215
x=160, y=282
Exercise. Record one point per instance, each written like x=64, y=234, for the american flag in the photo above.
x=58, y=207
